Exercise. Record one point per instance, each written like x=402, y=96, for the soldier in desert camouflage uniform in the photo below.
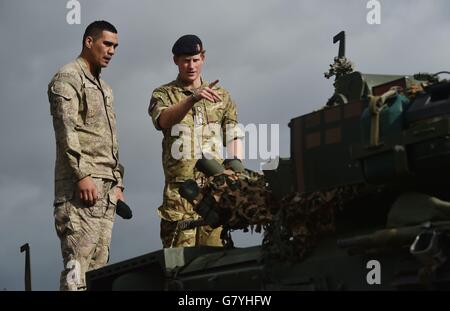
x=88, y=176
x=192, y=103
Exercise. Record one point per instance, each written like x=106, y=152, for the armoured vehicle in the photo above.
x=361, y=204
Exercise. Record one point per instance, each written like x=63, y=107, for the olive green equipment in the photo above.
x=232, y=197
x=204, y=203
x=420, y=239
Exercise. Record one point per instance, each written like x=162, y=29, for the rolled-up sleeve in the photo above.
x=158, y=103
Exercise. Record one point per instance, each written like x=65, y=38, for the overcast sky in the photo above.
x=270, y=55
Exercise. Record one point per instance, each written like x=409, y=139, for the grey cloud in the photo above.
x=269, y=54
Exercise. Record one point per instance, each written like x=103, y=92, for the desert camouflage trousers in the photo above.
x=85, y=234
x=176, y=208
x=204, y=235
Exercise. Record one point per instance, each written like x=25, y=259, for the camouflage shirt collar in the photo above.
x=87, y=72
x=179, y=84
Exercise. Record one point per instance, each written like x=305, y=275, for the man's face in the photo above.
x=103, y=48
x=189, y=67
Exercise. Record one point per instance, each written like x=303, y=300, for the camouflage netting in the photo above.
x=303, y=218
x=292, y=226
x=242, y=198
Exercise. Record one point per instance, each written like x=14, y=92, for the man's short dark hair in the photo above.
x=96, y=28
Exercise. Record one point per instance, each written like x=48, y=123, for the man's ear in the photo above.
x=175, y=60
x=88, y=42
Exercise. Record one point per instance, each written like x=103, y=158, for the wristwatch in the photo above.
x=194, y=96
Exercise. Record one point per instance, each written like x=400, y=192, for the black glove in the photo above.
x=123, y=210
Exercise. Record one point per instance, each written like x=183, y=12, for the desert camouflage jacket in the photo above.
x=85, y=128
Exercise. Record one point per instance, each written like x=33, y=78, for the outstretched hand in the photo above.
x=207, y=93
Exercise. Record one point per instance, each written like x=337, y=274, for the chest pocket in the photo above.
x=94, y=103
x=215, y=112
x=109, y=99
